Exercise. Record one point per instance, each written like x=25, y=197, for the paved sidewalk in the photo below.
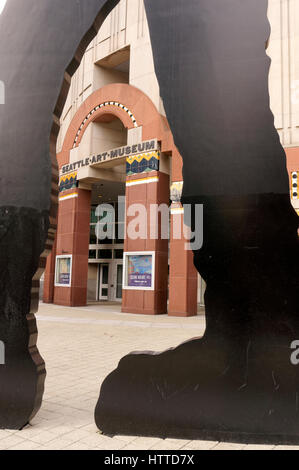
x=81, y=347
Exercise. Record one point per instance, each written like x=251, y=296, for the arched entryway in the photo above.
x=130, y=146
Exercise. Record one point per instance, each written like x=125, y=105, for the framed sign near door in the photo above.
x=63, y=271
x=139, y=270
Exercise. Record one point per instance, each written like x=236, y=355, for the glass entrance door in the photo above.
x=110, y=281
x=104, y=282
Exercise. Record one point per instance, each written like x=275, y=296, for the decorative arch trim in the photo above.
x=99, y=107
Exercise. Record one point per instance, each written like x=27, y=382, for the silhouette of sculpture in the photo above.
x=237, y=383
x=41, y=46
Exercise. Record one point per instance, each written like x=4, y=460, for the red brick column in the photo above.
x=152, y=188
x=48, y=295
x=73, y=239
x=183, y=276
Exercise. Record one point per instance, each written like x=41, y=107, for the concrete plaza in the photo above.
x=81, y=346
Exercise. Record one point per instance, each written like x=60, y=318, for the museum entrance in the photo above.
x=105, y=263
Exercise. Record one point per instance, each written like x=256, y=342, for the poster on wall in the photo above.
x=63, y=271
x=140, y=271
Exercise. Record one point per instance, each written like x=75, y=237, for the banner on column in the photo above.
x=139, y=270
x=63, y=271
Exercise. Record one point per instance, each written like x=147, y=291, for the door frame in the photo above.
x=116, y=263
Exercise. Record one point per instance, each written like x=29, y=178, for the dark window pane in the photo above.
x=118, y=254
x=105, y=274
x=92, y=254
x=105, y=254
x=119, y=286
x=93, y=218
x=92, y=238
x=105, y=242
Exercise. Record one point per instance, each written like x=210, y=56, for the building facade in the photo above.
x=119, y=166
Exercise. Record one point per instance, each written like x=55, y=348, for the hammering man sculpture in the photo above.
x=238, y=382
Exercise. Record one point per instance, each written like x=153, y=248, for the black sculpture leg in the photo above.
x=237, y=383
x=32, y=33
x=23, y=233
